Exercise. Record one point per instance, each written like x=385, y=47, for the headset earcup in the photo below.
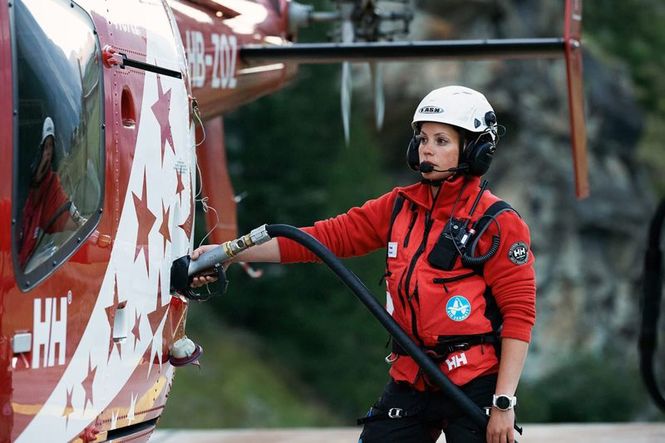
x=412, y=158
x=480, y=158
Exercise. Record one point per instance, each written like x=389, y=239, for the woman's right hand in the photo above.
x=201, y=279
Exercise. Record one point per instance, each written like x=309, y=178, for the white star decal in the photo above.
x=114, y=419
x=132, y=409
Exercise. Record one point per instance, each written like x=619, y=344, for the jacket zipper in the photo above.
x=443, y=281
x=414, y=216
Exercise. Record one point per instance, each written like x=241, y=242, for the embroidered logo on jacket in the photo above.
x=458, y=308
x=456, y=361
x=518, y=253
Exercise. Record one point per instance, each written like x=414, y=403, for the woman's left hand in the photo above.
x=500, y=427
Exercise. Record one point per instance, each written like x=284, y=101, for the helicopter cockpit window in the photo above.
x=58, y=133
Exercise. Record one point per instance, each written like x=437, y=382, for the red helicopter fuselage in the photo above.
x=98, y=112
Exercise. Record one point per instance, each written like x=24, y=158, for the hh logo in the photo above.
x=519, y=253
x=456, y=361
x=49, y=336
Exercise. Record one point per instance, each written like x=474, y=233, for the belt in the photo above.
x=448, y=344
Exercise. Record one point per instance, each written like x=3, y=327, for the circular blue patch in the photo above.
x=458, y=308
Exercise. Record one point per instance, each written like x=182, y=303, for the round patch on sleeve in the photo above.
x=519, y=253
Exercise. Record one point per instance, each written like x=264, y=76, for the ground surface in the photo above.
x=534, y=433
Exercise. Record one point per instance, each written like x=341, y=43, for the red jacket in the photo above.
x=457, y=303
x=42, y=213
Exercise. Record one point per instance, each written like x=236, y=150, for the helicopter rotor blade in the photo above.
x=346, y=89
x=376, y=71
x=313, y=53
x=345, y=98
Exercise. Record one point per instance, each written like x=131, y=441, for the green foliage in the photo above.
x=633, y=32
x=650, y=150
x=237, y=386
x=589, y=388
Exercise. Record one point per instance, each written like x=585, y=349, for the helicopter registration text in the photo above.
x=222, y=59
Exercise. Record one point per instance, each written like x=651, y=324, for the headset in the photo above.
x=476, y=155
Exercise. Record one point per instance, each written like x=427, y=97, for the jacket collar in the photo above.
x=421, y=193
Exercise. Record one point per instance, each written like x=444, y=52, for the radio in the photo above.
x=450, y=245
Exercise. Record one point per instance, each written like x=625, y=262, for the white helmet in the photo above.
x=48, y=128
x=457, y=106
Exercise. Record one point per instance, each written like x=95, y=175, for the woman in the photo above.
x=459, y=275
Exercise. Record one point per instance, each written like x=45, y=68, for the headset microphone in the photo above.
x=426, y=167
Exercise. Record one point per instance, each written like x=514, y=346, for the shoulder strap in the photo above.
x=495, y=209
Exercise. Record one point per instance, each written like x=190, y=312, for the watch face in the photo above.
x=502, y=402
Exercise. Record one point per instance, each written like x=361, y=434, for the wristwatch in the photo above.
x=504, y=402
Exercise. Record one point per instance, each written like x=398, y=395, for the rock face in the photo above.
x=589, y=253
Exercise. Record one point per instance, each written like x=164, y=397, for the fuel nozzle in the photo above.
x=211, y=262
x=226, y=251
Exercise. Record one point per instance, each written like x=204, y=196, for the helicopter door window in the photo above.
x=58, y=132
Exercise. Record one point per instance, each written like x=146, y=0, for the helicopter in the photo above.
x=107, y=111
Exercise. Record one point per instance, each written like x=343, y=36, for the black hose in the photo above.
x=354, y=283
x=653, y=284
x=471, y=261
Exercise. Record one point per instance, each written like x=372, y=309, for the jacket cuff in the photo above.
x=517, y=329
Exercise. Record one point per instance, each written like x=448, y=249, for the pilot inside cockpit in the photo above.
x=48, y=209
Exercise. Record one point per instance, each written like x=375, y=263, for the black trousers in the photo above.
x=405, y=415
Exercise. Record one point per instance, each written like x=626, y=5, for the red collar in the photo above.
x=421, y=194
